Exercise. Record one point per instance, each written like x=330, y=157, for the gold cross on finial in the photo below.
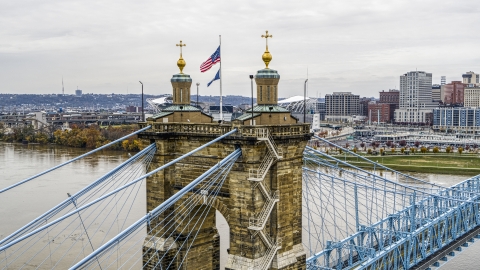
x=181, y=63
x=181, y=45
x=266, y=36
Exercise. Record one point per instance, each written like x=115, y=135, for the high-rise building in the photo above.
x=437, y=92
x=320, y=108
x=452, y=93
x=363, y=106
x=415, y=98
x=471, y=96
x=443, y=80
x=341, y=106
x=471, y=78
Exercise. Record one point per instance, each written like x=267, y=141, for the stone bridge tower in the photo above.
x=261, y=198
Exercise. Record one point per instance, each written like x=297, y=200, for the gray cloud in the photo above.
x=357, y=46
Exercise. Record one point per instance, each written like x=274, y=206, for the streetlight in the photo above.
x=197, y=92
x=251, y=84
x=143, y=113
x=305, y=101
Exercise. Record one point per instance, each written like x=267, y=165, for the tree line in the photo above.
x=79, y=136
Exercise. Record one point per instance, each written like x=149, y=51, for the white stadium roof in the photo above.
x=160, y=100
x=294, y=99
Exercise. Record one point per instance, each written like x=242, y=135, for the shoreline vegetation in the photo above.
x=78, y=136
x=447, y=159
x=460, y=164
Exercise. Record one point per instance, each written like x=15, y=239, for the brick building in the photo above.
x=453, y=93
x=382, y=111
x=389, y=101
x=390, y=97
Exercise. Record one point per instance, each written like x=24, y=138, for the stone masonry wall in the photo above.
x=237, y=200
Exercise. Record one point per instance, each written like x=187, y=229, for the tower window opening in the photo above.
x=261, y=94
x=268, y=93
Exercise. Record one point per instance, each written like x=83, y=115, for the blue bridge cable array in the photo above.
x=72, y=160
x=313, y=155
x=340, y=166
x=353, y=218
x=332, y=214
x=336, y=209
x=111, y=177
x=59, y=242
x=414, y=180
x=377, y=164
x=189, y=214
x=45, y=229
x=224, y=166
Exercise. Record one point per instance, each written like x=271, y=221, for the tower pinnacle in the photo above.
x=266, y=57
x=181, y=63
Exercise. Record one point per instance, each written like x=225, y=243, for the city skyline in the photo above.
x=106, y=47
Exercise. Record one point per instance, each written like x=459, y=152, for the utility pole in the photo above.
x=251, y=84
x=305, y=101
x=143, y=113
x=197, y=92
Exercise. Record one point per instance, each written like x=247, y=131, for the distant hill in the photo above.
x=49, y=102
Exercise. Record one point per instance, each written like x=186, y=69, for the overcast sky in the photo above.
x=108, y=46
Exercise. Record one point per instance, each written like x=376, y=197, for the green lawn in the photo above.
x=441, y=163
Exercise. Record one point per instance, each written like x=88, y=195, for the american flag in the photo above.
x=212, y=60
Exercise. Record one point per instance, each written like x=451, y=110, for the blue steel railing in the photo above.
x=409, y=236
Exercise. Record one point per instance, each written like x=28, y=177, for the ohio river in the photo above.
x=24, y=203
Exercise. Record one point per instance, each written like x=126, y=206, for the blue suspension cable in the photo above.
x=7, y=245
x=76, y=196
x=166, y=204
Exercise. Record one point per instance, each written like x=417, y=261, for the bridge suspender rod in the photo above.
x=167, y=203
x=75, y=196
x=116, y=190
x=386, y=191
x=376, y=164
x=74, y=159
x=399, y=184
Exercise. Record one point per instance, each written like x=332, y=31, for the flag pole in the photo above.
x=221, y=97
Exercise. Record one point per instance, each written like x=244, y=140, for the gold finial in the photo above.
x=266, y=57
x=181, y=63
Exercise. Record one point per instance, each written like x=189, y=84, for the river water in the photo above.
x=24, y=203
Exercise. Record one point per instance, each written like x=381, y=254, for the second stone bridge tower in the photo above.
x=261, y=198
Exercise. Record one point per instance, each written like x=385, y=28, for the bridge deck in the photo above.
x=446, y=250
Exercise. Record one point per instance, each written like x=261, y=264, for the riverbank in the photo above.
x=468, y=165
x=78, y=136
